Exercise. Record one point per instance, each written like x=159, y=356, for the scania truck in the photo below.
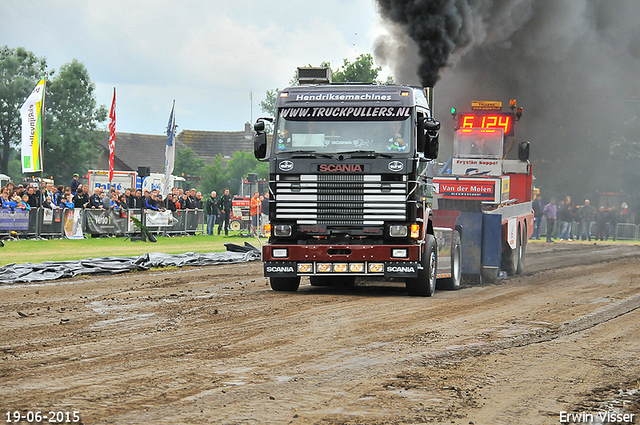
x=349, y=187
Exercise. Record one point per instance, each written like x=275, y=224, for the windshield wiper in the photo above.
x=366, y=154
x=305, y=154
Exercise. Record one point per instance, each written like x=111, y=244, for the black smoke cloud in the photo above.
x=573, y=65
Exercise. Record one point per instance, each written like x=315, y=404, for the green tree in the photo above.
x=187, y=163
x=20, y=71
x=359, y=71
x=268, y=105
x=212, y=176
x=72, y=142
x=218, y=175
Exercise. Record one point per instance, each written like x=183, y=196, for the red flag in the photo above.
x=112, y=135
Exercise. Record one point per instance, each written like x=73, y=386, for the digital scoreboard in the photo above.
x=503, y=120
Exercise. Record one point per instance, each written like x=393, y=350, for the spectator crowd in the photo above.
x=569, y=222
x=47, y=195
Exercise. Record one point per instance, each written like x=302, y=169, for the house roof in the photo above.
x=208, y=144
x=135, y=150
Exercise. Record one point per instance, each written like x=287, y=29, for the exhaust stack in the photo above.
x=428, y=93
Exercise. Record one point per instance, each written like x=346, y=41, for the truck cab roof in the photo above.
x=351, y=94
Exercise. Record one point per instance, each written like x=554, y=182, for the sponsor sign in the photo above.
x=346, y=113
x=476, y=167
x=159, y=218
x=14, y=220
x=322, y=97
x=506, y=188
x=105, y=221
x=512, y=232
x=73, y=224
x=473, y=189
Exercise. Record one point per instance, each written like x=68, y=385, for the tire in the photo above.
x=425, y=284
x=453, y=283
x=521, y=251
x=509, y=262
x=288, y=284
x=235, y=225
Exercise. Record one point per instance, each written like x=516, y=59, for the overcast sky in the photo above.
x=208, y=55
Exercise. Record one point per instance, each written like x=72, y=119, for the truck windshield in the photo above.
x=478, y=143
x=335, y=136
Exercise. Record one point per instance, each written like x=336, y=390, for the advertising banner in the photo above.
x=14, y=220
x=489, y=190
x=159, y=218
x=73, y=224
x=31, y=113
x=476, y=167
x=106, y=222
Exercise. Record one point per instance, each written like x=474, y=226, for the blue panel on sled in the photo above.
x=491, y=240
x=471, y=223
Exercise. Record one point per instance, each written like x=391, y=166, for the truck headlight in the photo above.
x=376, y=267
x=305, y=268
x=282, y=230
x=324, y=268
x=340, y=268
x=398, y=231
x=356, y=267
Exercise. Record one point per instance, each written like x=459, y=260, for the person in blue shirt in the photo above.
x=7, y=203
x=25, y=203
x=74, y=183
x=67, y=202
x=150, y=203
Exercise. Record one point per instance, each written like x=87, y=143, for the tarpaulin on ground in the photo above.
x=50, y=270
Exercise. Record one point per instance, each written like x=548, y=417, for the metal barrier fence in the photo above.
x=44, y=222
x=622, y=231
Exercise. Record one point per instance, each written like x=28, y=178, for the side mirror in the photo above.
x=260, y=138
x=431, y=125
x=428, y=137
x=260, y=145
x=523, y=151
x=432, y=147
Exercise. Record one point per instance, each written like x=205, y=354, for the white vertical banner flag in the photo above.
x=32, y=113
x=169, y=153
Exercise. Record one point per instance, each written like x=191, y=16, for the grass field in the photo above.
x=37, y=251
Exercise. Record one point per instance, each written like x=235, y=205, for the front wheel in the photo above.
x=425, y=284
x=453, y=283
x=235, y=225
x=288, y=284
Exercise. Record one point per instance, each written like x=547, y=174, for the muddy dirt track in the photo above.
x=216, y=345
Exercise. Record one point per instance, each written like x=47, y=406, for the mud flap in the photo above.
x=491, y=246
x=471, y=261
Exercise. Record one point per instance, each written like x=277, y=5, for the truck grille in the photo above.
x=343, y=200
